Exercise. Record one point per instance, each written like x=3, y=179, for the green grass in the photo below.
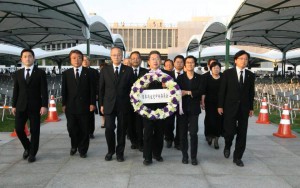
x=275, y=117
x=8, y=123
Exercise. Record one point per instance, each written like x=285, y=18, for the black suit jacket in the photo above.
x=96, y=77
x=31, y=96
x=196, y=90
x=232, y=98
x=78, y=97
x=114, y=91
x=142, y=72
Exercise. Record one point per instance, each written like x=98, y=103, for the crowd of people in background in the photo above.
x=227, y=99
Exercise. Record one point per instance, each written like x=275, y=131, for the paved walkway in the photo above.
x=269, y=162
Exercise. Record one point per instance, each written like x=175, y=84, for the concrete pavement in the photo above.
x=269, y=162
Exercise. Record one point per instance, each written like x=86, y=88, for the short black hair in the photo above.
x=135, y=52
x=240, y=53
x=27, y=50
x=210, y=60
x=76, y=52
x=154, y=52
x=170, y=61
x=116, y=47
x=180, y=57
x=190, y=56
x=213, y=64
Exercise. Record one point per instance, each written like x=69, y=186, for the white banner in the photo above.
x=155, y=96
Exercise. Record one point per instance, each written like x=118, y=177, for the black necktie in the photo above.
x=27, y=76
x=135, y=73
x=117, y=72
x=77, y=76
x=178, y=73
x=241, y=79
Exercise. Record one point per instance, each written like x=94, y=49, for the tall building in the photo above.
x=154, y=35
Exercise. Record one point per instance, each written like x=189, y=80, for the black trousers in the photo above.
x=189, y=123
x=169, y=128
x=139, y=127
x=92, y=122
x=110, y=127
x=131, y=128
x=236, y=125
x=153, y=138
x=79, y=126
x=34, y=119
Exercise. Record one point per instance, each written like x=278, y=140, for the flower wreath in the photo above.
x=142, y=83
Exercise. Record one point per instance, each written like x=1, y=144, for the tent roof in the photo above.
x=273, y=24
x=35, y=23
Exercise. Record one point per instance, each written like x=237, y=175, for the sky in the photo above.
x=171, y=11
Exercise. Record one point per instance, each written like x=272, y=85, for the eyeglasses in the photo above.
x=243, y=59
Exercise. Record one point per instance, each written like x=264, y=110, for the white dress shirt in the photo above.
x=30, y=72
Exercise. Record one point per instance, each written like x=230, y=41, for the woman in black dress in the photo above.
x=213, y=120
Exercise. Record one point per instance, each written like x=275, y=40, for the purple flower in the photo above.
x=174, y=100
x=177, y=87
x=163, y=80
x=142, y=82
x=152, y=117
x=166, y=109
x=151, y=79
x=159, y=75
x=148, y=110
x=135, y=89
x=141, y=90
x=173, y=92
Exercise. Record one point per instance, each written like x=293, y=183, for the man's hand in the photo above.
x=220, y=111
x=92, y=108
x=202, y=105
x=251, y=113
x=64, y=109
x=13, y=111
x=102, y=110
x=163, y=85
x=43, y=111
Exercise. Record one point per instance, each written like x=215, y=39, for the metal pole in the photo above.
x=227, y=54
x=88, y=47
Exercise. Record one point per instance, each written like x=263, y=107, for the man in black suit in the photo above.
x=30, y=101
x=236, y=97
x=95, y=74
x=115, y=85
x=78, y=101
x=154, y=129
x=135, y=126
x=190, y=84
x=170, y=125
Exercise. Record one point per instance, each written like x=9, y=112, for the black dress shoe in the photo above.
x=73, y=151
x=169, y=144
x=134, y=146
x=147, y=162
x=25, y=154
x=92, y=136
x=108, y=157
x=120, y=158
x=83, y=155
x=194, y=162
x=159, y=159
x=226, y=153
x=141, y=148
x=238, y=162
x=209, y=140
x=31, y=158
x=185, y=160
